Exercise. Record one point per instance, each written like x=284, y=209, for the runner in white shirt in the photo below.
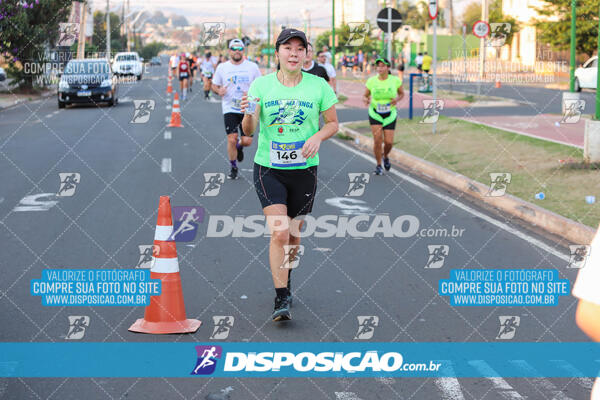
x=322, y=58
x=174, y=63
x=208, y=65
x=586, y=289
x=231, y=80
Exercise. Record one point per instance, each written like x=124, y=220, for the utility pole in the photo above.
x=81, y=39
x=127, y=28
x=451, y=15
x=484, y=17
x=240, y=27
x=107, y=31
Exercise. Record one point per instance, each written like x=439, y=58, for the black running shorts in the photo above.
x=390, y=126
x=295, y=188
x=233, y=123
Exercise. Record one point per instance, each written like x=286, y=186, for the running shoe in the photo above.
x=281, y=312
x=233, y=174
x=387, y=164
x=240, y=155
x=378, y=170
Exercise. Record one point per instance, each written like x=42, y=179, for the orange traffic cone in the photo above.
x=166, y=313
x=170, y=84
x=498, y=85
x=175, y=114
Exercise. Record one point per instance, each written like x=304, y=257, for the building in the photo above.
x=357, y=11
x=525, y=47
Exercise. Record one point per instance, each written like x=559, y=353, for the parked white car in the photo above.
x=586, y=76
x=128, y=63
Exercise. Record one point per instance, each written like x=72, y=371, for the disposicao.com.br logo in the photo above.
x=312, y=362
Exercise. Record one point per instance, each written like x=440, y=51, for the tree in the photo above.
x=471, y=15
x=152, y=49
x=27, y=30
x=343, y=34
x=558, y=33
x=99, y=35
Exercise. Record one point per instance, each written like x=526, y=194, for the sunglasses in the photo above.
x=237, y=48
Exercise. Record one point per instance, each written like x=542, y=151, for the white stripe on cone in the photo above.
x=163, y=232
x=165, y=265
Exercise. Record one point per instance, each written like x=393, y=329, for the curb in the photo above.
x=21, y=101
x=572, y=231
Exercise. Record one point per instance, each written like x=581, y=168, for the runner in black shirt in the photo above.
x=312, y=67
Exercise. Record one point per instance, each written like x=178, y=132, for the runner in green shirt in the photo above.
x=383, y=92
x=288, y=104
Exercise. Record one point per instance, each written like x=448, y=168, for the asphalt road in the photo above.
x=113, y=211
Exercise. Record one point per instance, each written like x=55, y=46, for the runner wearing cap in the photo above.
x=231, y=80
x=288, y=104
x=383, y=92
x=208, y=69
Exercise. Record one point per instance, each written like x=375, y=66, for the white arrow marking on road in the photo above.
x=450, y=387
x=346, y=396
x=464, y=207
x=165, y=165
x=32, y=202
x=551, y=390
x=505, y=390
x=167, y=135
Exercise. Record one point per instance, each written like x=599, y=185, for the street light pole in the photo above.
x=572, y=66
x=268, y=34
x=597, y=116
x=333, y=33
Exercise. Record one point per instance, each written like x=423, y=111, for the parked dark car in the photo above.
x=87, y=81
x=155, y=61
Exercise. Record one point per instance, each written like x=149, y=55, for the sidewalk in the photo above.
x=543, y=126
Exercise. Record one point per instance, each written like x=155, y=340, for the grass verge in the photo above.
x=536, y=165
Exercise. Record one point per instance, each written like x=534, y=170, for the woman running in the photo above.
x=184, y=74
x=383, y=92
x=288, y=104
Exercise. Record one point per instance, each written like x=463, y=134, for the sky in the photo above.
x=286, y=12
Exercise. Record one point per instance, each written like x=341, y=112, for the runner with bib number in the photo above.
x=232, y=79
x=383, y=92
x=287, y=103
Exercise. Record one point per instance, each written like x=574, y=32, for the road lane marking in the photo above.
x=167, y=119
x=587, y=383
x=167, y=107
x=551, y=391
x=165, y=166
x=167, y=135
x=450, y=387
x=502, y=387
x=346, y=396
x=455, y=202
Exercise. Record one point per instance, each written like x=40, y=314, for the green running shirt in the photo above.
x=382, y=92
x=289, y=116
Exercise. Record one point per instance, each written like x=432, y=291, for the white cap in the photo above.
x=236, y=43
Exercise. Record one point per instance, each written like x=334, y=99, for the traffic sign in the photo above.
x=268, y=51
x=385, y=16
x=433, y=9
x=481, y=29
